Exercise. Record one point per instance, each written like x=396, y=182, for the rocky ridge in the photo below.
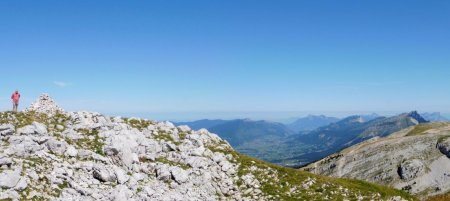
x=49, y=154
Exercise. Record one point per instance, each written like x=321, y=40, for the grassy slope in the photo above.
x=324, y=188
x=281, y=183
x=423, y=128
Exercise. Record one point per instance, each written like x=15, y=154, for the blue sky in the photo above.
x=193, y=59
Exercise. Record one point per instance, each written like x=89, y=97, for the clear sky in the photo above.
x=166, y=59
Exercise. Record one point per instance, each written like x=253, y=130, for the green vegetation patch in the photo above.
x=172, y=163
x=423, y=128
x=91, y=140
x=139, y=124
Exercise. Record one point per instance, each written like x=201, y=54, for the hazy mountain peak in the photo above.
x=416, y=116
x=311, y=122
x=434, y=117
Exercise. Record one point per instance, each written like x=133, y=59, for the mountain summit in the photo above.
x=416, y=116
x=46, y=154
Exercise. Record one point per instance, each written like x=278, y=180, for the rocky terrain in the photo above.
x=415, y=159
x=49, y=154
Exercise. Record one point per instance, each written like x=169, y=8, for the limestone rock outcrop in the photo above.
x=49, y=154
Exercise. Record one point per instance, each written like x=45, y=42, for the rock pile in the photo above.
x=45, y=105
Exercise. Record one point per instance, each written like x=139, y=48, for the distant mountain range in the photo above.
x=347, y=132
x=241, y=131
x=311, y=122
x=204, y=123
x=434, y=117
x=292, y=145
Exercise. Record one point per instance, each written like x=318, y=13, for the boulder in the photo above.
x=34, y=129
x=71, y=151
x=197, y=162
x=22, y=184
x=121, y=193
x=57, y=147
x=5, y=161
x=163, y=172
x=411, y=169
x=444, y=147
x=178, y=174
x=6, y=129
x=23, y=146
x=9, y=179
x=121, y=175
x=104, y=174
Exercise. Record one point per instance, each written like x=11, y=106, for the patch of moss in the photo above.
x=172, y=163
x=139, y=124
x=166, y=137
x=33, y=162
x=182, y=135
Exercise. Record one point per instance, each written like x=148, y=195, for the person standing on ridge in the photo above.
x=15, y=98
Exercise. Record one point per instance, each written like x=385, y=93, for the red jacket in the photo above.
x=15, y=97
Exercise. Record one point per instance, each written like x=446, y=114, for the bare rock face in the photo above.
x=34, y=129
x=411, y=169
x=46, y=105
x=6, y=130
x=9, y=179
x=444, y=146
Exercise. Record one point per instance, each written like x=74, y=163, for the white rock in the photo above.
x=57, y=147
x=22, y=184
x=34, y=129
x=5, y=161
x=163, y=173
x=121, y=175
x=184, y=128
x=71, y=151
x=179, y=175
x=6, y=129
x=121, y=193
x=104, y=174
x=9, y=179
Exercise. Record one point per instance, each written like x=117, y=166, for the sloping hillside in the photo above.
x=415, y=159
